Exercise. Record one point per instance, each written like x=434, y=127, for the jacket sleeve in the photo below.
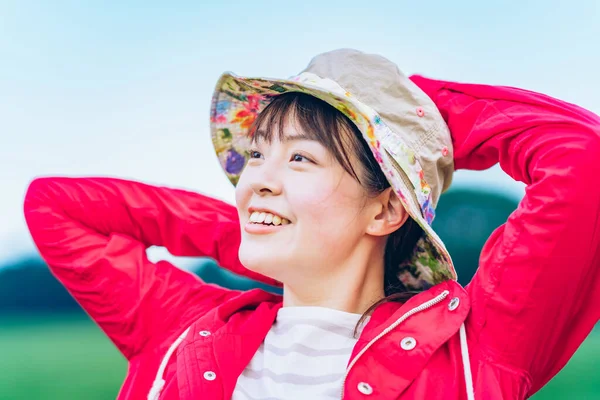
x=94, y=232
x=536, y=294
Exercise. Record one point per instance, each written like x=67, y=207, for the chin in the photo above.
x=265, y=263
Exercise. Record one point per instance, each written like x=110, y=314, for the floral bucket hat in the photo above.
x=403, y=127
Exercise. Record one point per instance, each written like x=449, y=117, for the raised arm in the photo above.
x=94, y=232
x=536, y=295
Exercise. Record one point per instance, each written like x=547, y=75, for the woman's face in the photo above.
x=300, y=211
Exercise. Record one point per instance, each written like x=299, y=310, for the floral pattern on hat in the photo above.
x=236, y=105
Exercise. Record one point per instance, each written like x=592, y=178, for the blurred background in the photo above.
x=123, y=89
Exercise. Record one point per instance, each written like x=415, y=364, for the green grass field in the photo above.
x=69, y=358
x=66, y=358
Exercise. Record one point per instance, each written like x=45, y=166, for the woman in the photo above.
x=346, y=163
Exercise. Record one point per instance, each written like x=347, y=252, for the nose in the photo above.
x=267, y=182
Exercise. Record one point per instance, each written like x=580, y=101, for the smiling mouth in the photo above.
x=266, y=218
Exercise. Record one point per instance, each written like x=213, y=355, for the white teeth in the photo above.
x=261, y=217
x=258, y=217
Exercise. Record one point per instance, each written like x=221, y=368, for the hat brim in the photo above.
x=238, y=100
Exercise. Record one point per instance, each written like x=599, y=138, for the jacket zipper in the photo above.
x=387, y=330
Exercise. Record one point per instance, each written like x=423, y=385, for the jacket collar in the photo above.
x=425, y=320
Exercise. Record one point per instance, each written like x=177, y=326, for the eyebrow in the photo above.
x=287, y=138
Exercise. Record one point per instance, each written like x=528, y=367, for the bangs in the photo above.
x=316, y=120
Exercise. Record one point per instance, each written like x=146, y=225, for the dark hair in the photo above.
x=322, y=122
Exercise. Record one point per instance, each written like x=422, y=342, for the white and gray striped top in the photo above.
x=304, y=356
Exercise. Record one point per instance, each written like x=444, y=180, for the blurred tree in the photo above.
x=210, y=272
x=465, y=218
x=28, y=286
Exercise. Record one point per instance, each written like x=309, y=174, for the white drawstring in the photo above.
x=464, y=350
x=159, y=382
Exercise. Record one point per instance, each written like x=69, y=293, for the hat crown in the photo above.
x=404, y=107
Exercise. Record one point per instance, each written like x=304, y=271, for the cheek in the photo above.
x=243, y=193
x=327, y=205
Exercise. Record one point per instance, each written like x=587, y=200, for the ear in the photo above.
x=389, y=214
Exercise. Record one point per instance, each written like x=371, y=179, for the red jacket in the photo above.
x=532, y=302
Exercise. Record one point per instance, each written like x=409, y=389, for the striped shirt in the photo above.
x=304, y=356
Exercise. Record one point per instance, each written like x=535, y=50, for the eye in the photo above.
x=296, y=157
x=255, y=154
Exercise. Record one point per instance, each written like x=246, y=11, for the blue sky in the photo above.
x=108, y=88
